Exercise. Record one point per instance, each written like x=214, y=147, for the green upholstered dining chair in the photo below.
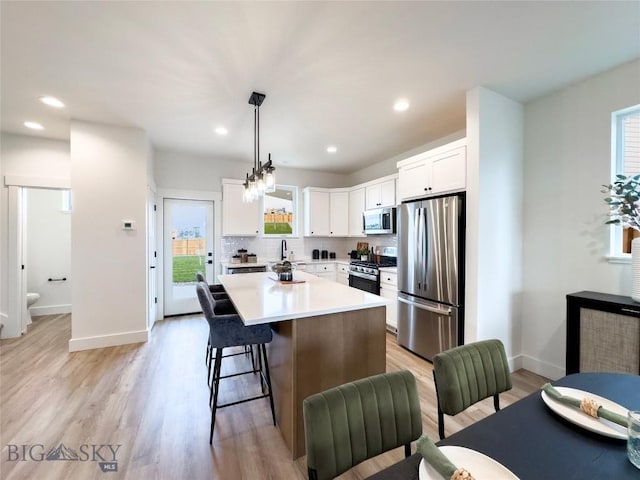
x=467, y=374
x=346, y=425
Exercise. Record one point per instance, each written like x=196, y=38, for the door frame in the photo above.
x=167, y=193
x=16, y=321
x=152, y=260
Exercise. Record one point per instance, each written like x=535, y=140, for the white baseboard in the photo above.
x=3, y=321
x=50, y=310
x=515, y=363
x=113, y=340
x=543, y=368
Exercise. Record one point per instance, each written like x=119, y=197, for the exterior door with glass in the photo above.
x=188, y=248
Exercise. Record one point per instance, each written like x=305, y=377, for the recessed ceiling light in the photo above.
x=401, y=105
x=51, y=101
x=221, y=130
x=332, y=149
x=33, y=125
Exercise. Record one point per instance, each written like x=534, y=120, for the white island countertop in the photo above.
x=259, y=298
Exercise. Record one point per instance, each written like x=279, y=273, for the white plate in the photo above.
x=574, y=415
x=478, y=464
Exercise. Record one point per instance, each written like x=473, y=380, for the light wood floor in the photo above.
x=152, y=399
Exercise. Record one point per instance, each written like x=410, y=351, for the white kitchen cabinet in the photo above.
x=342, y=273
x=381, y=194
x=316, y=213
x=356, y=207
x=339, y=214
x=324, y=270
x=397, y=184
x=440, y=170
x=238, y=218
x=326, y=212
x=389, y=291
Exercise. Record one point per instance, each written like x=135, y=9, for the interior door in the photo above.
x=188, y=248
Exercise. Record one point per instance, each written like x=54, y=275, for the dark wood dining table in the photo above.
x=535, y=443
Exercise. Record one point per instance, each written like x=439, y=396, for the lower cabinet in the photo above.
x=342, y=273
x=389, y=290
x=323, y=270
x=603, y=333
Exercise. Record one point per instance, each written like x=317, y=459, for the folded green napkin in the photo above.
x=435, y=457
x=575, y=402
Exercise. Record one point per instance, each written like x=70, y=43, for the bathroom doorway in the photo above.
x=46, y=253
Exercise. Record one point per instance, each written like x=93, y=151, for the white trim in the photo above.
x=13, y=325
x=515, y=363
x=38, y=182
x=543, y=368
x=50, y=310
x=624, y=259
x=111, y=340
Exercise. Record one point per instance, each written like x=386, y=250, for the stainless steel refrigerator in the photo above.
x=431, y=274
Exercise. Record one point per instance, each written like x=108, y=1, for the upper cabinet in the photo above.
x=381, y=194
x=339, y=214
x=326, y=212
x=440, y=170
x=356, y=207
x=238, y=218
x=316, y=213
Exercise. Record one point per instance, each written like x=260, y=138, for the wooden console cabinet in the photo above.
x=603, y=333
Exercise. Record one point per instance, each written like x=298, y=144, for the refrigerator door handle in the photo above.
x=417, y=232
x=439, y=311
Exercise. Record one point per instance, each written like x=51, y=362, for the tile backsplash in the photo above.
x=269, y=248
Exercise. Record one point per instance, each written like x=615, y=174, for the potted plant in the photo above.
x=363, y=253
x=624, y=194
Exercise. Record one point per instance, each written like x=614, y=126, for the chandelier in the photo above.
x=262, y=178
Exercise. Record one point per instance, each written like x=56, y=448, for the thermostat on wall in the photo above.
x=128, y=224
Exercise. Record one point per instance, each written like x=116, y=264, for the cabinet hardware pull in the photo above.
x=63, y=279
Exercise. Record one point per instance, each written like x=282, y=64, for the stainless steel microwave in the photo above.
x=380, y=221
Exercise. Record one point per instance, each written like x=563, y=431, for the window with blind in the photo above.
x=626, y=161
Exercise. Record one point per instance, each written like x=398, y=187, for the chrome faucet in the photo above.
x=283, y=250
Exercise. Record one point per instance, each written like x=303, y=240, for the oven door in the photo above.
x=362, y=281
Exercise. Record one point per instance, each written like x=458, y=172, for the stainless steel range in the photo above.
x=365, y=275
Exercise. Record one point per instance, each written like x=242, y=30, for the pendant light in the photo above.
x=262, y=178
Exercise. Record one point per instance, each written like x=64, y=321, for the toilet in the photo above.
x=31, y=299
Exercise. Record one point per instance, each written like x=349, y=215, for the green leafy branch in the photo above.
x=623, y=201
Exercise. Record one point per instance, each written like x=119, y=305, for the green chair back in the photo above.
x=359, y=420
x=467, y=374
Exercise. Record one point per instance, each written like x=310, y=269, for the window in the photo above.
x=625, y=141
x=280, y=212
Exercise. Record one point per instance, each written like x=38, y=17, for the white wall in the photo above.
x=193, y=172
x=25, y=156
x=567, y=160
x=48, y=251
x=494, y=220
x=108, y=264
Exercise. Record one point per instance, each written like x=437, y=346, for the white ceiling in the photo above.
x=331, y=70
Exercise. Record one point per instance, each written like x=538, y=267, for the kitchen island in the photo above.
x=324, y=334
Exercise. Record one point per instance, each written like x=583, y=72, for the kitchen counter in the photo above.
x=266, y=263
x=261, y=299
x=389, y=269
x=324, y=334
